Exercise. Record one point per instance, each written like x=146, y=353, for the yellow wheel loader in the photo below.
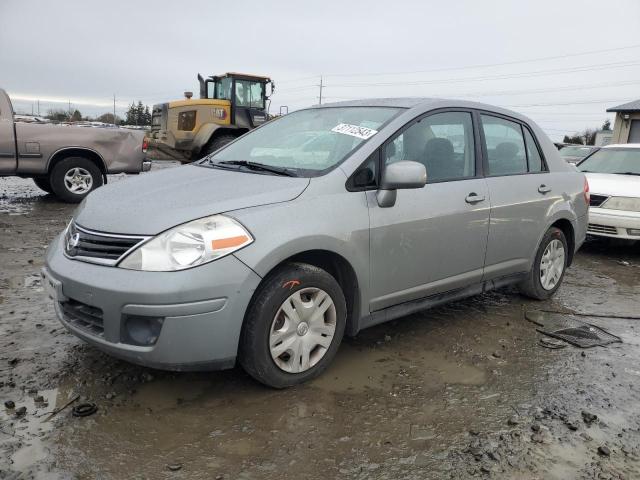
x=229, y=106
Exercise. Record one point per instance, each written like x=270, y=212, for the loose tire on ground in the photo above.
x=62, y=169
x=261, y=321
x=43, y=183
x=532, y=286
x=216, y=144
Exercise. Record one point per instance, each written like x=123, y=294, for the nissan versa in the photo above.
x=317, y=224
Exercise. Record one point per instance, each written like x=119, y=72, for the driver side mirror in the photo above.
x=398, y=176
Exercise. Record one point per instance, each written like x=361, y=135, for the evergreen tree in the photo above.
x=76, y=116
x=138, y=114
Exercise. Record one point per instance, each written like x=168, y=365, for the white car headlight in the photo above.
x=188, y=245
x=622, y=203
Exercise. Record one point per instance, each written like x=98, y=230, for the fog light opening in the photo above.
x=141, y=330
x=634, y=231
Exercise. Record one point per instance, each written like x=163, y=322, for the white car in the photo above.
x=613, y=173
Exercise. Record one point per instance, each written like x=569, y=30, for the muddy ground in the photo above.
x=462, y=391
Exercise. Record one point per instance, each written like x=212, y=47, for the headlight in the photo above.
x=188, y=245
x=622, y=203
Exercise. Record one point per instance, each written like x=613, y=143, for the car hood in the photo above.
x=614, y=184
x=151, y=203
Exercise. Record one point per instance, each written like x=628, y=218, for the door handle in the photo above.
x=473, y=197
x=544, y=189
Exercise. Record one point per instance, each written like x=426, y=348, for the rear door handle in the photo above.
x=544, y=189
x=473, y=197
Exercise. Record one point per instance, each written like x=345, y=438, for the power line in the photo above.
x=548, y=90
x=587, y=102
x=487, y=65
x=536, y=73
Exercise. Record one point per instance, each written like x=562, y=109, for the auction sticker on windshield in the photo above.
x=354, y=130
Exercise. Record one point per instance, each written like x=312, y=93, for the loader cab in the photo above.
x=247, y=94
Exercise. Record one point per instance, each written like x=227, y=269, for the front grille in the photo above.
x=595, y=228
x=597, y=200
x=98, y=247
x=83, y=316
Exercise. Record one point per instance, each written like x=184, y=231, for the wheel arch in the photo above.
x=340, y=269
x=83, y=152
x=569, y=234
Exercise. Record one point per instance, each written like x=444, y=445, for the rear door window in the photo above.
x=505, y=147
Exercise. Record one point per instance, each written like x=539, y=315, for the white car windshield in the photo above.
x=624, y=161
x=305, y=143
x=575, y=151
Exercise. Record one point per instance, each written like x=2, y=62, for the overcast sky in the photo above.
x=561, y=62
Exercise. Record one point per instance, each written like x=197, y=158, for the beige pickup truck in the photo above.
x=68, y=161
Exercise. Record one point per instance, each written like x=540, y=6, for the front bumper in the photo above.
x=614, y=223
x=200, y=310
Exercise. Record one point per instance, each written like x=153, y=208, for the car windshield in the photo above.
x=613, y=160
x=575, y=151
x=307, y=142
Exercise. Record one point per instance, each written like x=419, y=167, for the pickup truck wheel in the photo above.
x=73, y=178
x=293, y=326
x=216, y=144
x=43, y=184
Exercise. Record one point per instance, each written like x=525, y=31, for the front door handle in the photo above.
x=473, y=197
x=544, y=189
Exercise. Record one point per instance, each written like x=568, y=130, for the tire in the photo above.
x=216, y=144
x=86, y=170
x=534, y=285
x=266, y=316
x=43, y=183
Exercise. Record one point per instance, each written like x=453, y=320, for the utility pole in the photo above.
x=114, y=108
x=69, y=108
x=38, y=107
x=320, y=90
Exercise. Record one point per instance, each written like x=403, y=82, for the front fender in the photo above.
x=286, y=229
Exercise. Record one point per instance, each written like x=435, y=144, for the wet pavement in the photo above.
x=462, y=391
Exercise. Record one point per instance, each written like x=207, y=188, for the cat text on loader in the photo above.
x=229, y=106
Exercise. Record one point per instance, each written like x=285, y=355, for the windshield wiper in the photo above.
x=257, y=166
x=627, y=173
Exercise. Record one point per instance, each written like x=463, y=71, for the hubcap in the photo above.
x=552, y=264
x=78, y=180
x=302, y=330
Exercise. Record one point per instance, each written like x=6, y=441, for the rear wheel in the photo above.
x=43, y=183
x=293, y=327
x=74, y=177
x=549, y=266
x=216, y=144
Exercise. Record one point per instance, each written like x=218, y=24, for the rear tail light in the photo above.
x=587, y=195
x=145, y=145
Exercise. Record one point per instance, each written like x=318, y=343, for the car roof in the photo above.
x=424, y=104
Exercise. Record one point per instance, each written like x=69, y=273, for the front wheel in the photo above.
x=293, y=327
x=74, y=177
x=549, y=266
